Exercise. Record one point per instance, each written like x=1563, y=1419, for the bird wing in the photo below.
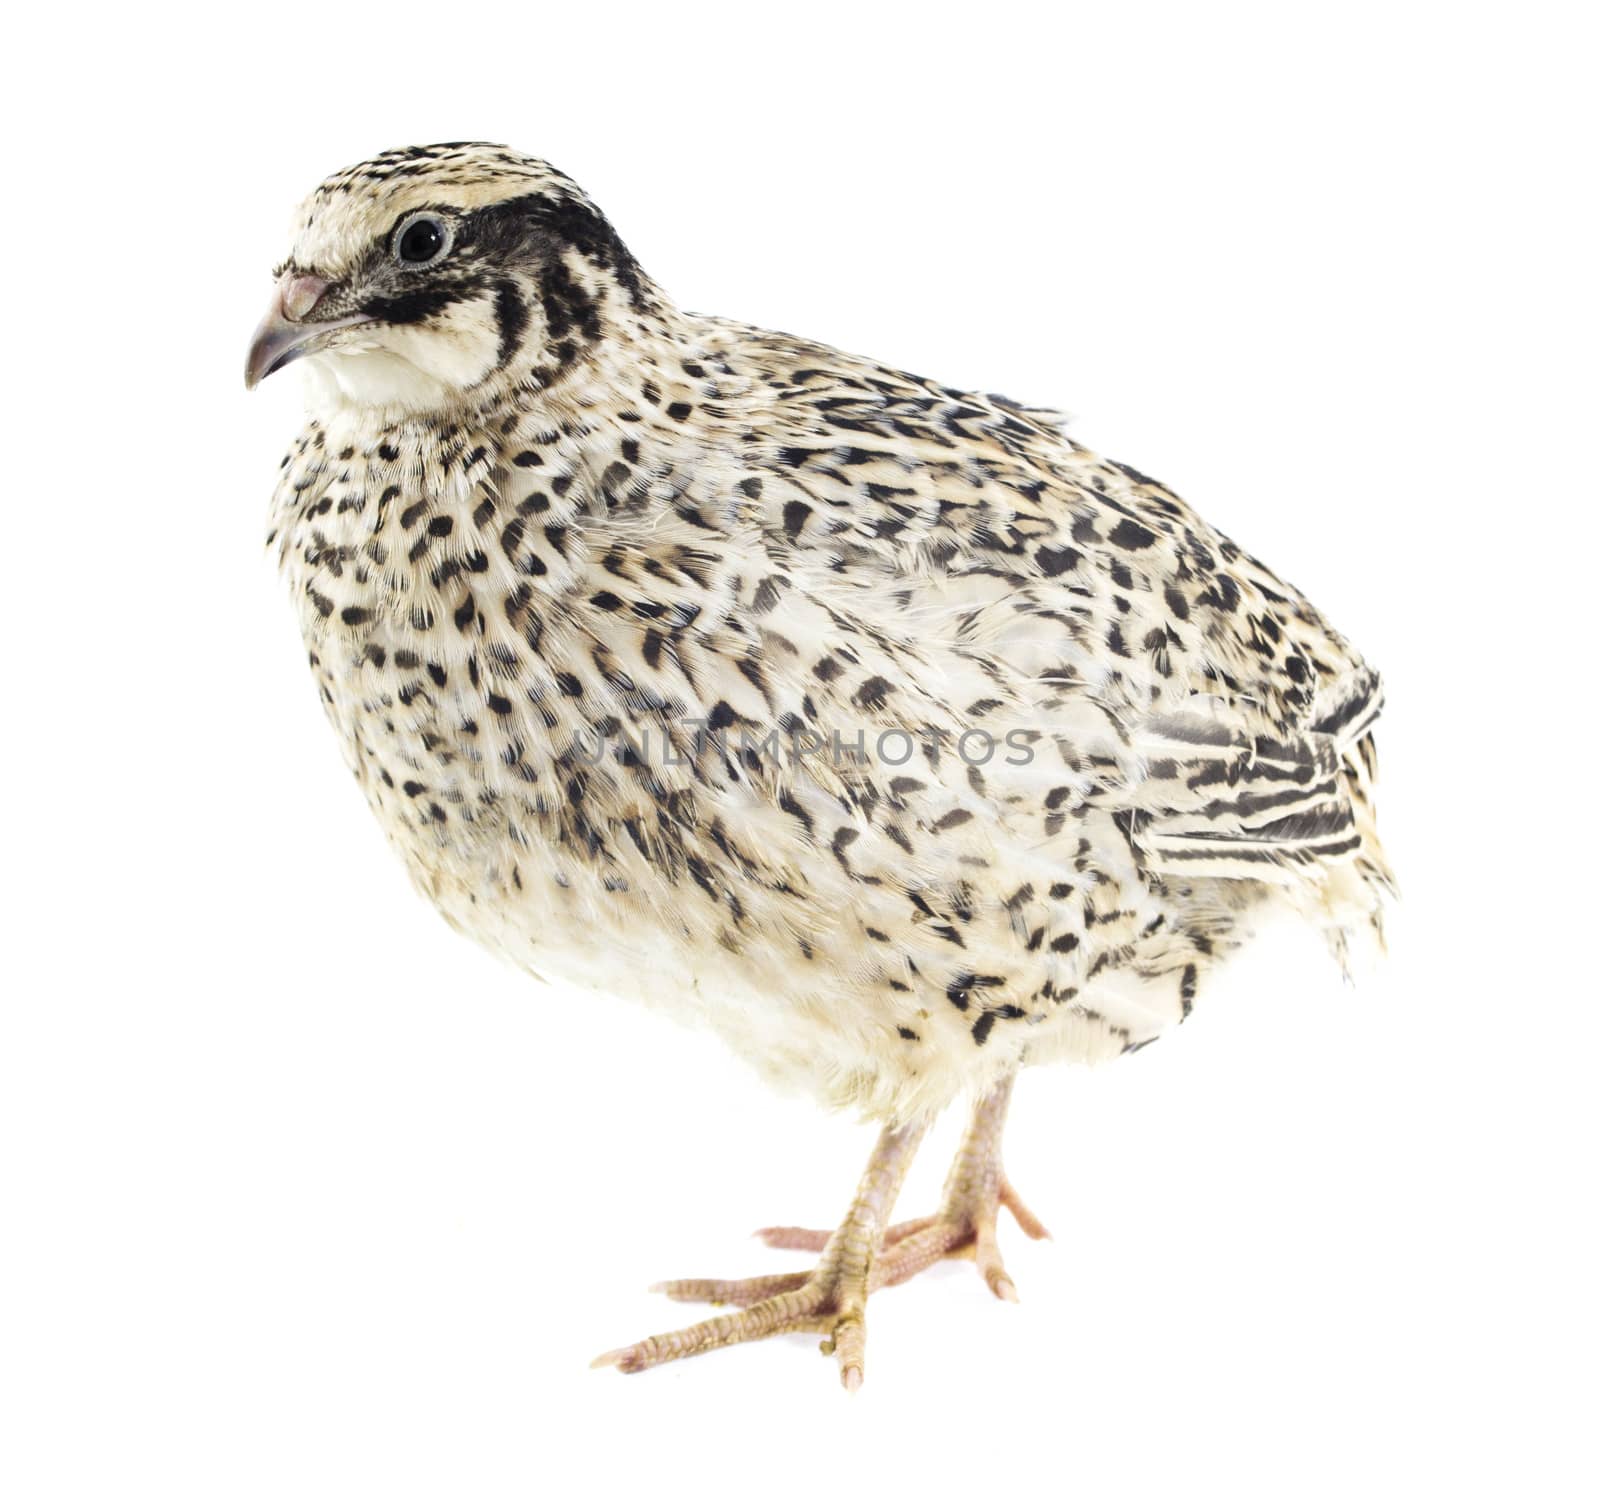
x=1193, y=692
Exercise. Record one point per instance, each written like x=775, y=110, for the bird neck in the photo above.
x=630, y=431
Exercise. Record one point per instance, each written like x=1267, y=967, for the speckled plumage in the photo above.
x=543, y=522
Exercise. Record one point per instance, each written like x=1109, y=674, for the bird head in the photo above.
x=429, y=277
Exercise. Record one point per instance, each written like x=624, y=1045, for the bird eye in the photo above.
x=422, y=239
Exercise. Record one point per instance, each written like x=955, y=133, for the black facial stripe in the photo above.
x=525, y=228
x=567, y=304
x=566, y=221
x=422, y=301
x=510, y=318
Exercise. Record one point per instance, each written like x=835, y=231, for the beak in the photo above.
x=285, y=335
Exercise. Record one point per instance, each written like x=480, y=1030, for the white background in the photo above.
x=298, y=1186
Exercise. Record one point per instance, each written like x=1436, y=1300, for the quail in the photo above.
x=875, y=725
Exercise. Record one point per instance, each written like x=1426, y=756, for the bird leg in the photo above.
x=831, y=1298
x=964, y=1225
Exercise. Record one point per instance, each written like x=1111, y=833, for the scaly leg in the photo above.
x=831, y=1299
x=964, y=1225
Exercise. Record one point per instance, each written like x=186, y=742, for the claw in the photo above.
x=622, y=1359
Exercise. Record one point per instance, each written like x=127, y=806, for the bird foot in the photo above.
x=964, y=1227
x=830, y=1299
x=832, y=1303
x=859, y=1256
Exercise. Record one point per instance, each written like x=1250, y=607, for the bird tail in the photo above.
x=1295, y=812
